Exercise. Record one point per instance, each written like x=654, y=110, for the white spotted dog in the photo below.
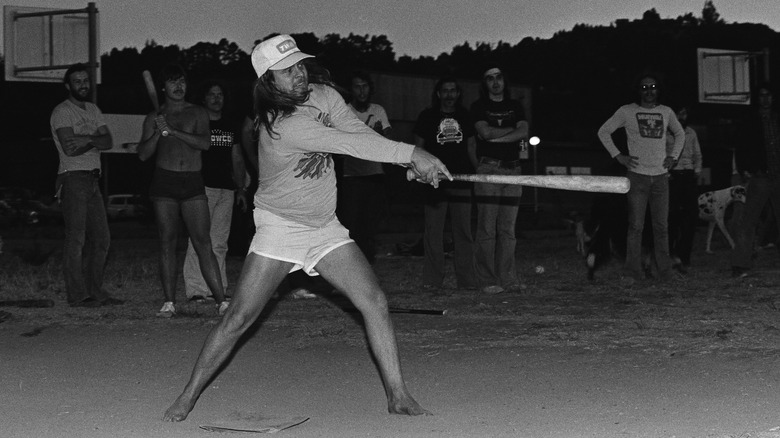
x=712, y=208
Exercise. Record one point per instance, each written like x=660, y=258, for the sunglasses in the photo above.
x=646, y=87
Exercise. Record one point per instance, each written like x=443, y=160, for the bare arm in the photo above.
x=149, y=137
x=75, y=145
x=239, y=176
x=239, y=168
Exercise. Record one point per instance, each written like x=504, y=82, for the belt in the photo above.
x=93, y=172
x=504, y=164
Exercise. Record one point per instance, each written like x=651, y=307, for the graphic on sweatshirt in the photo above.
x=313, y=165
x=651, y=125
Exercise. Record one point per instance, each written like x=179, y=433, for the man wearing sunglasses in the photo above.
x=648, y=162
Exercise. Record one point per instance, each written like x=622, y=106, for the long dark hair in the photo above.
x=272, y=104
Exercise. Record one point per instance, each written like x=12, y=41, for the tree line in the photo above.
x=579, y=76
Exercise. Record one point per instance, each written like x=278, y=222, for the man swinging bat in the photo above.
x=301, y=123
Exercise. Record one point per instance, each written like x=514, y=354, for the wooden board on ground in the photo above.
x=253, y=423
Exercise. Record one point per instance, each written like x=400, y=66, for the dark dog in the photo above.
x=603, y=234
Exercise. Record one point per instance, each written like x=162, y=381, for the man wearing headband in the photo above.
x=301, y=124
x=500, y=124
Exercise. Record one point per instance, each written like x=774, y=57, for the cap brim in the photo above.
x=289, y=61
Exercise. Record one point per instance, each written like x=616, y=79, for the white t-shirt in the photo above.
x=355, y=166
x=84, y=122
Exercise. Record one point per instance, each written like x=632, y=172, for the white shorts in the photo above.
x=282, y=239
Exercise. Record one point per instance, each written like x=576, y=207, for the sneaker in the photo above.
x=739, y=272
x=167, y=310
x=492, y=290
x=302, y=294
x=222, y=308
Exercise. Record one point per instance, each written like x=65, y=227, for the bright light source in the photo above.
x=534, y=140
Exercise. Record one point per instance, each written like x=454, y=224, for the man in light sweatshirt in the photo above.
x=648, y=163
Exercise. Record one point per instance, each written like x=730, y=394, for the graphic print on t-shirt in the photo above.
x=500, y=119
x=651, y=125
x=222, y=138
x=449, y=131
x=312, y=165
x=315, y=164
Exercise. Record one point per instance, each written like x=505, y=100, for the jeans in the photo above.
x=497, y=207
x=653, y=191
x=87, y=237
x=683, y=213
x=221, y=215
x=458, y=202
x=760, y=190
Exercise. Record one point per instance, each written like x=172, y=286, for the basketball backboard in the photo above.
x=40, y=43
x=724, y=76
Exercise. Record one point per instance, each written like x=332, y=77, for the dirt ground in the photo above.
x=566, y=357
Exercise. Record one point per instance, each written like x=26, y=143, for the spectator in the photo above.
x=683, y=195
x=224, y=177
x=758, y=162
x=361, y=189
x=501, y=129
x=80, y=133
x=176, y=136
x=648, y=162
x=446, y=131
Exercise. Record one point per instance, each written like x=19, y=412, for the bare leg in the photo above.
x=198, y=223
x=167, y=217
x=259, y=278
x=348, y=270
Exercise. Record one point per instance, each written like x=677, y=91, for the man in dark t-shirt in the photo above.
x=446, y=131
x=224, y=175
x=501, y=130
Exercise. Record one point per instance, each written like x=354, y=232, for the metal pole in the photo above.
x=536, y=189
x=766, y=64
x=93, y=61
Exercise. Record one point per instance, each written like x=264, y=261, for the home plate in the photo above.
x=253, y=423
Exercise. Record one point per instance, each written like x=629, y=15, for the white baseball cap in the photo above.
x=277, y=53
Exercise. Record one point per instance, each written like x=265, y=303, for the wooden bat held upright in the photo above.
x=151, y=90
x=580, y=183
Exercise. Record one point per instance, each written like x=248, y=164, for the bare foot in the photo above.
x=179, y=409
x=406, y=406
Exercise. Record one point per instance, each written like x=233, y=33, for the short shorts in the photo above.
x=171, y=186
x=282, y=239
